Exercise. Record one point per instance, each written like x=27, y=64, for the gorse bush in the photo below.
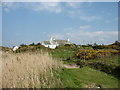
x=31, y=47
x=30, y=70
x=107, y=68
x=92, y=54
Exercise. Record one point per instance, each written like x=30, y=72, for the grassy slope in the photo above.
x=84, y=77
x=66, y=53
x=87, y=77
x=62, y=53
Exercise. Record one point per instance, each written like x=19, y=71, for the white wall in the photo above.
x=50, y=46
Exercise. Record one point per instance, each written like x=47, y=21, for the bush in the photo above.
x=92, y=54
x=81, y=63
x=107, y=68
x=32, y=48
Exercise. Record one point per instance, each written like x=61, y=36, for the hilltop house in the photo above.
x=53, y=43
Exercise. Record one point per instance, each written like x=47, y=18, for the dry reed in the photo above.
x=0, y=70
x=30, y=70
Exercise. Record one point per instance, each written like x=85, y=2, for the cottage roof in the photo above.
x=60, y=41
x=47, y=42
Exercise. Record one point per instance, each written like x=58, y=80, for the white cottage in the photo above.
x=53, y=43
x=15, y=48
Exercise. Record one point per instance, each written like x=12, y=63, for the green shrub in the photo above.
x=92, y=54
x=107, y=68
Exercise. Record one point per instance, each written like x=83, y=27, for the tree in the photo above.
x=32, y=44
x=116, y=43
x=38, y=44
x=95, y=44
x=22, y=45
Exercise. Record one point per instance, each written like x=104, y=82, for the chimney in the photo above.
x=68, y=39
x=51, y=38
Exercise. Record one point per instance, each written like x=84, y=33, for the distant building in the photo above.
x=53, y=43
x=15, y=48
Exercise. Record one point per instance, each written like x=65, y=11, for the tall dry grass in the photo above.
x=30, y=70
x=0, y=70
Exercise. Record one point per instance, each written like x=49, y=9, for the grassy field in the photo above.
x=87, y=78
x=62, y=53
x=29, y=70
x=28, y=67
x=66, y=55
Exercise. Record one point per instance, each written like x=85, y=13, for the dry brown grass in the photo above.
x=29, y=70
x=0, y=70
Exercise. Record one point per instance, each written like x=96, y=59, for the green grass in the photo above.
x=87, y=77
x=62, y=53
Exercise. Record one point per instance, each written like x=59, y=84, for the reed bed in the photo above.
x=30, y=70
x=0, y=70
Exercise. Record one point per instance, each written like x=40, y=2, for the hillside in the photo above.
x=87, y=78
x=97, y=66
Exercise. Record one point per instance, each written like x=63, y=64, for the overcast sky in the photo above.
x=35, y=22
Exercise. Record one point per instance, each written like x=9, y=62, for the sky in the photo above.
x=81, y=22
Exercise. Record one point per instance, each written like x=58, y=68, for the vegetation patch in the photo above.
x=98, y=66
x=30, y=70
x=87, y=78
x=92, y=54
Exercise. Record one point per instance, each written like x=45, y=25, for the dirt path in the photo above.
x=70, y=66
